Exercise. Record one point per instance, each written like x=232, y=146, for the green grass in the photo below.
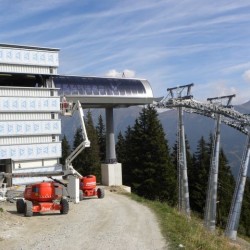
x=178, y=229
x=1, y=209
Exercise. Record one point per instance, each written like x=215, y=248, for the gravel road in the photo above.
x=113, y=223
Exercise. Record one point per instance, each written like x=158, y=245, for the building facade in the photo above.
x=29, y=110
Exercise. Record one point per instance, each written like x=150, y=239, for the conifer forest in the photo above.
x=149, y=165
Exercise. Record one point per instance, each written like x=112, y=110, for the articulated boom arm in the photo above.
x=84, y=144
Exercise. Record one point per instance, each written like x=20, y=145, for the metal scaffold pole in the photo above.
x=235, y=210
x=184, y=205
x=211, y=200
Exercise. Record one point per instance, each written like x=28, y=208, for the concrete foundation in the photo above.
x=112, y=174
x=231, y=234
x=127, y=189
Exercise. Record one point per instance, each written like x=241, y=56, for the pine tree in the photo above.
x=244, y=227
x=124, y=153
x=101, y=134
x=151, y=167
x=88, y=161
x=226, y=184
x=78, y=162
x=91, y=158
x=198, y=177
x=120, y=148
x=65, y=150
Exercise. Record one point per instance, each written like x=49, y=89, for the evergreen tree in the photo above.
x=124, y=153
x=198, y=176
x=78, y=162
x=91, y=157
x=226, y=184
x=151, y=167
x=120, y=148
x=244, y=227
x=225, y=187
x=88, y=161
x=101, y=134
x=65, y=150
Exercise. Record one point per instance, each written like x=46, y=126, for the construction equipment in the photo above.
x=85, y=143
x=88, y=188
x=35, y=201
x=42, y=197
x=87, y=183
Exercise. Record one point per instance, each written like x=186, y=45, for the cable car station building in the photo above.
x=31, y=91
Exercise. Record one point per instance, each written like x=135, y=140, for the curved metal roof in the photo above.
x=102, y=91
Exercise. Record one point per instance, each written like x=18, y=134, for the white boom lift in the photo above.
x=73, y=176
x=85, y=143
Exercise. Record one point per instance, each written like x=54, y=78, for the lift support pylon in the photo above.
x=211, y=199
x=183, y=198
x=235, y=210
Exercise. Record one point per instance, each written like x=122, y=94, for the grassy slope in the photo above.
x=178, y=230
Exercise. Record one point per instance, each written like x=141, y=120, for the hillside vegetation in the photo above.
x=185, y=233
x=150, y=166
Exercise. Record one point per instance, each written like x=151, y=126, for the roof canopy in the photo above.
x=101, y=92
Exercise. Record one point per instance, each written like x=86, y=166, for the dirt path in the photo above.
x=112, y=223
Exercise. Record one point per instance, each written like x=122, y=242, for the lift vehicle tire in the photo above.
x=81, y=195
x=100, y=193
x=20, y=206
x=65, y=206
x=28, y=209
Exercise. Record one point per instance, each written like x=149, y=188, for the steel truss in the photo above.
x=221, y=113
x=183, y=199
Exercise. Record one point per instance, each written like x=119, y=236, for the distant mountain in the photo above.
x=243, y=108
x=232, y=141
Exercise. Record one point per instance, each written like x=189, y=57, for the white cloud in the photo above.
x=113, y=73
x=126, y=73
x=215, y=89
x=236, y=68
x=129, y=73
x=246, y=76
x=222, y=89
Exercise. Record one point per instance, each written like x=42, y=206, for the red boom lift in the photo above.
x=88, y=187
x=42, y=197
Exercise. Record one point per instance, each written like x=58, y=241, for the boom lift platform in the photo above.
x=87, y=183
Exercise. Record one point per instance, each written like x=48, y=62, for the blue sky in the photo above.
x=169, y=42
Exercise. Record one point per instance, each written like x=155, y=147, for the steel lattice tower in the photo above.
x=183, y=198
x=211, y=200
x=184, y=205
x=235, y=210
